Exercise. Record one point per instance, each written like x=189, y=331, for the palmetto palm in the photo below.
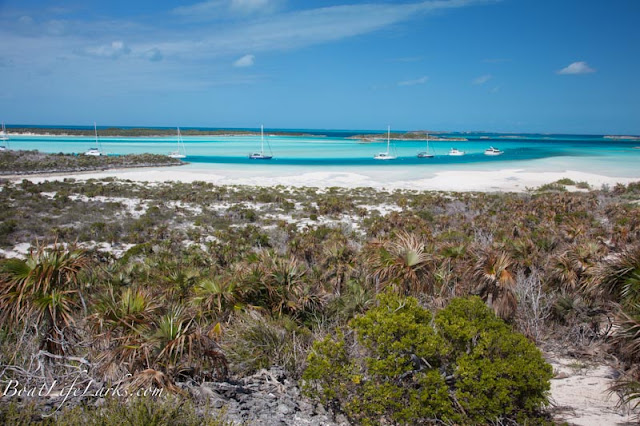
x=172, y=334
x=284, y=284
x=403, y=262
x=182, y=348
x=627, y=335
x=44, y=289
x=181, y=279
x=338, y=265
x=215, y=294
x=122, y=321
x=496, y=282
x=618, y=277
x=571, y=269
x=564, y=273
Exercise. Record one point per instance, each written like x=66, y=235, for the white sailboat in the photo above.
x=3, y=134
x=386, y=155
x=426, y=154
x=4, y=138
x=261, y=155
x=181, y=152
x=96, y=151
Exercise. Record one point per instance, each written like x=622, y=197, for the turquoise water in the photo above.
x=593, y=154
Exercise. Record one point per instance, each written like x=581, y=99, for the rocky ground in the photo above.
x=579, y=396
x=265, y=398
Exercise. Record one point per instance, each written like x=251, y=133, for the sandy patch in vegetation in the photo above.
x=580, y=396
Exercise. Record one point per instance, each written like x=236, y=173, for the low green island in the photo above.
x=14, y=162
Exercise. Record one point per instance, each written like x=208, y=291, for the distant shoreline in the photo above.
x=142, y=132
x=369, y=136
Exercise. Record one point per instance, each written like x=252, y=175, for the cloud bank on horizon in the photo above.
x=214, y=52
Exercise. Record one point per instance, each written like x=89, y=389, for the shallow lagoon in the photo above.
x=533, y=153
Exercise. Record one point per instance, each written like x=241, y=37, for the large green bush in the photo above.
x=397, y=363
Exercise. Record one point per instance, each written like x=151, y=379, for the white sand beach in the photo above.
x=516, y=180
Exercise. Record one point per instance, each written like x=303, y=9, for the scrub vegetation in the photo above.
x=404, y=307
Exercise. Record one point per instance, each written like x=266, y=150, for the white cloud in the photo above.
x=25, y=20
x=148, y=54
x=218, y=9
x=56, y=27
x=252, y=6
x=315, y=26
x=579, y=67
x=154, y=55
x=203, y=8
x=245, y=61
x=482, y=79
x=114, y=50
x=420, y=80
x=195, y=42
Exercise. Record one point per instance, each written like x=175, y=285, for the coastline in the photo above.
x=504, y=180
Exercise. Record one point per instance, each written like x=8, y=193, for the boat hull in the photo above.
x=425, y=155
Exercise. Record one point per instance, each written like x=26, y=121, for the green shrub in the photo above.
x=565, y=181
x=549, y=187
x=399, y=364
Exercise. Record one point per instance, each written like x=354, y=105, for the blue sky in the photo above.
x=558, y=66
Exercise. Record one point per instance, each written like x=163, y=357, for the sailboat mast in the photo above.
x=95, y=130
x=262, y=139
x=180, y=147
x=388, y=137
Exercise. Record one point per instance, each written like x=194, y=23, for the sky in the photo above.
x=542, y=66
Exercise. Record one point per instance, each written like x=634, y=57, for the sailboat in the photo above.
x=426, y=154
x=386, y=155
x=3, y=134
x=181, y=152
x=97, y=151
x=261, y=155
x=4, y=138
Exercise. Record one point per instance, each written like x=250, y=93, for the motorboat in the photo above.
x=493, y=151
